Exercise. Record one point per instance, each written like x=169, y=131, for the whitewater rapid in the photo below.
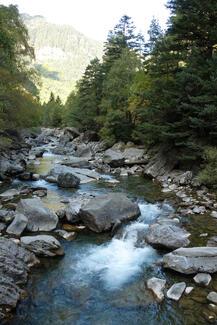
x=118, y=261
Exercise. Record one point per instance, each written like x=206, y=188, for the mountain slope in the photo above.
x=62, y=53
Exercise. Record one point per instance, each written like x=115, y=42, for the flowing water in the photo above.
x=101, y=280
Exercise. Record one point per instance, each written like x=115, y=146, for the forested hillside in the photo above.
x=158, y=92
x=61, y=53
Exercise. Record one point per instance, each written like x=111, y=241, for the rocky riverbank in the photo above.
x=30, y=230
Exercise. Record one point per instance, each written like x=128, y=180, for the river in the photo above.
x=101, y=280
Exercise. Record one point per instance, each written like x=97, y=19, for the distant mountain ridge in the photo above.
x=62, y=54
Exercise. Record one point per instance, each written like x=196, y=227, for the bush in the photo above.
x=208, y=175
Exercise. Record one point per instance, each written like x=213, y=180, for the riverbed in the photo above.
x=102, y=280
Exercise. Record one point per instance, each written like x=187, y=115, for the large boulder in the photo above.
x=167, y=236
x=192, y=260
x=18, y=225
x=103, y=212
x=113, y=158
x=42, y=245
x=68, y=180
x=40, y=218
x=15, y=263
x=76, y=162
x=85, y=175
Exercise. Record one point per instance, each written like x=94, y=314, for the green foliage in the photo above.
x=208, y=174
x=102, y=100
x=19, y=104
x=53, y=112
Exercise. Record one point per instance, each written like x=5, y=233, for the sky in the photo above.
x=95, y=18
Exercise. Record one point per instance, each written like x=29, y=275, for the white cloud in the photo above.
x=95, y=18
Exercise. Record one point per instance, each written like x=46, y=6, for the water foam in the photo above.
x=120, y=260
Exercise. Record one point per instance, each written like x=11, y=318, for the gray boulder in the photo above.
x=167, y=235
x=85, y=175
x=176, y=291
x=40, y=218
x=157, y=286
x=113, y=158
x=103, y=212
x=15, y=264
x=18, y=225
x=192, y=260
x=68, y=180
x=42, y=245
x=76, y=162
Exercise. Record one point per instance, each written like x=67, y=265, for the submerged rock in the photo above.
x=40, y=218
x=42, y=245
x=203, y=279
x=167, y=235
x=157, y=286
x=103, y=212
x=176, y=291
x=192, y=260
x=212, y=296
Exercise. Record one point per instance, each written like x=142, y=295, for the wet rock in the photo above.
x=6, y=216
x=25, y=176
x=103, y=212
x=212, y=296
x=42, y=245
x=18, y=225
x=61, y=213
x=35, y=177
x=40, y=218
x=40, y=193
x=2, y=226
x=199, y=209
x=9, y=195
x=188, y=290
x=176, y=291
x=113, y=158
x=15, y=263
x=167, y=235
x=192, y=260
x=66, y=235
x=73, y=228
x=76, y=162
x=203, y=279
x=214, y=214
x=68, y=180
x=85, y=175
x=157, y=286
x=212, y=242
